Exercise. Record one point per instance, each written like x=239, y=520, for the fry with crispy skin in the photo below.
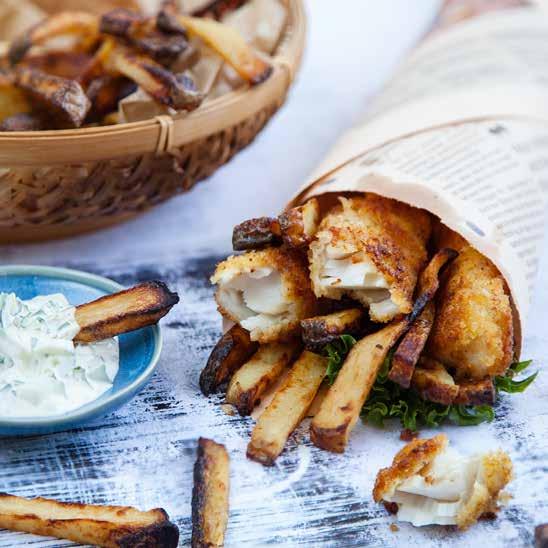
x=429, y=279
x=318, y=331
x=230, y=353
x=476, y=392
x=63, y=99
x=175, y=91
x=125, y=311
x=300, y=224
x=143, y=33
x=251, y=381
x=60, y=24
x=13, y=101
x=267, y=292
x=331, y=427
x=230, y=45
x=372, y=249
x=256, y=233
x=287, y=409
x=473, y=330
x=210, y=494
x=108, y=526
x=433, y=383
x=23, y=122
x=411, y=346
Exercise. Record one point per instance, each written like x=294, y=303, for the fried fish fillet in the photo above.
x=372, y=249
x=267, y=292
x=432, y=484
x=473, y=328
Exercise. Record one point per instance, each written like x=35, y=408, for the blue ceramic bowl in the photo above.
x=139, y=350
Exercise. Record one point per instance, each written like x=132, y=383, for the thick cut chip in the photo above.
x=175, y=91
x=144, y=34
x=210, y=494
x=61, y=99
x=300, y=224
x=410, y=348
x=433, y=383
x=230, y=353
x=476, y=392
x=60, y=24
x=256, y=233
x=331, y=427
x=287, y=409
x=322, y=330
x=267, y=292
x=108, y=526
x=258, y=374
x=372, y=249
x=125, y=311
x=230, y=45
x=473, y=329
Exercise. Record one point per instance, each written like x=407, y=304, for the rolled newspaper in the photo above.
x=462, y=131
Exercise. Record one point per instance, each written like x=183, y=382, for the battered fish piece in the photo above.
x=372, y=249
x=473, y=328
x=267, y=292
x=432, y=484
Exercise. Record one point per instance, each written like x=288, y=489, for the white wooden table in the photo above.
x=143, y=454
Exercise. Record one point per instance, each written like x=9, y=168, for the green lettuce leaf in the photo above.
x=388, y=400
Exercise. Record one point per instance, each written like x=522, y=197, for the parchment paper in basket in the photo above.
x=16, y=16
x=462, y=131
x=261, y=23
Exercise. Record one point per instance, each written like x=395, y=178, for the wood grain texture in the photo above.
x=143, y=454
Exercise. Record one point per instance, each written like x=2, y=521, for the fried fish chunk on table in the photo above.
x=267, y=292
x=108, y=526
x=473, y=328
x=431, y=484
x=125, y=311
x=372, y=249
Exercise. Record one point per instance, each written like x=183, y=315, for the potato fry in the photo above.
x=230, y=45
x=256, y=233
x=218, y=8
x=64, y=100
x=321, y=330
x=230, y=353
x=428, y=282
x=331, y=427
x=474, y=392
x=143, y=33
x=287, y=409
x=411, y=346
x=109, y=526
x=13, y=101
x=23, y=122
x=125, y=311
x=300, y=224
x=433, y=383
x=178, y=92
x=61, y=24
x=257, y=375
x=65, y=64
x=210, y=494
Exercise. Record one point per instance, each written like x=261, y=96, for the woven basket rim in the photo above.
x=99, y=143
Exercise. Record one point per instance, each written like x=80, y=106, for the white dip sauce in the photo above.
x=42, y=372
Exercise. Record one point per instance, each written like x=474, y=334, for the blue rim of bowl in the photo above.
x=78, y=416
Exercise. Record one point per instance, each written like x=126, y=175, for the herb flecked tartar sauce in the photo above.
x=42, y=371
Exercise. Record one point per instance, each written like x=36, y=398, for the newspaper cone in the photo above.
x=462, y=131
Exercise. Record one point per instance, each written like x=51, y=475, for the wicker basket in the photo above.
x=55, y=184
